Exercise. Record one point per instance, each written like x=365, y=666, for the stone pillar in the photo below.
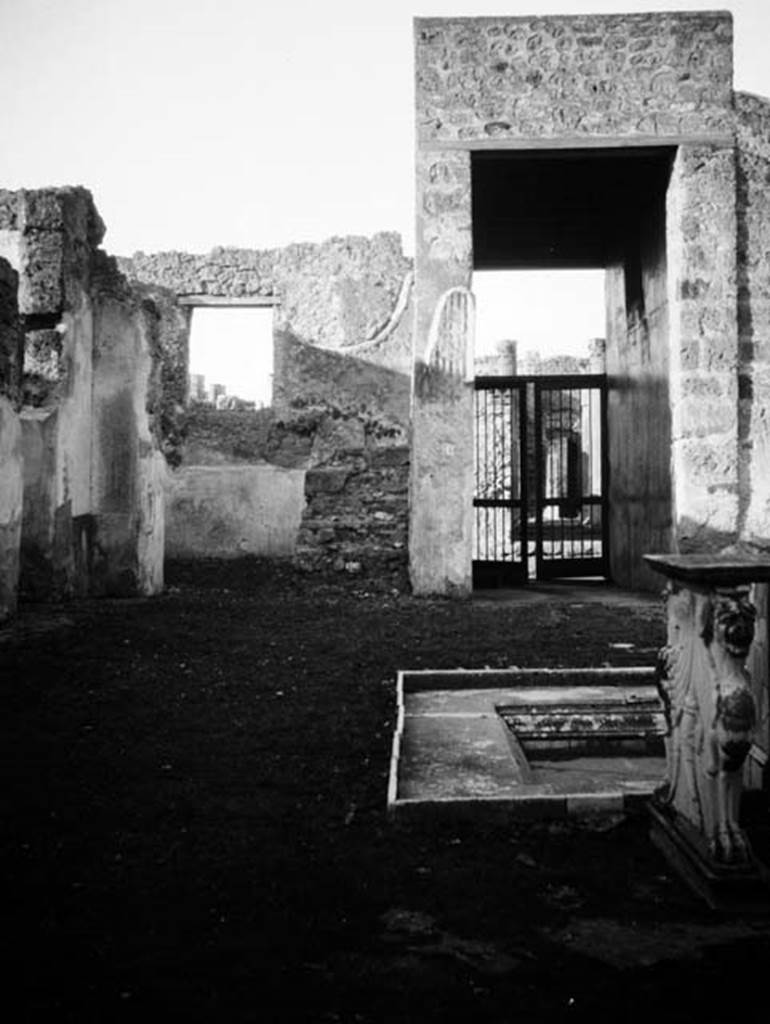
x=711, y=710
x=701, y=228
x=441, y=481
x=127, y=468
x=753, y=172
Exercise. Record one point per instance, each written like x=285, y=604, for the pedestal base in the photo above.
x=740, y=888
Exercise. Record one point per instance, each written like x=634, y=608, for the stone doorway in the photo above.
x=615, y=142
x=597, y=208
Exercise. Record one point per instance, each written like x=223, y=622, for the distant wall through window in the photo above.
x=231, y=356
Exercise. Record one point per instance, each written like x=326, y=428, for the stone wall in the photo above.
x=753, y=181
x=703, y=347
x=341, y=384
x=90, y=519
x=356, y=515
x=585, y=83
x=493, y=80
x=11, y=466
x=334, y=295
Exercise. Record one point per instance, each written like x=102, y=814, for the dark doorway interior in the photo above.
x=565, y=208
x=603, y=209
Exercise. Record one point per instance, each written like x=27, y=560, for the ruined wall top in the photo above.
x=49, y=235
x=504, y=79
x=337, y=293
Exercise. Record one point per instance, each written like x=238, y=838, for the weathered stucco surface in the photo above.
x=127, y=468
x=227, y=511
x=10, y=506
x=441, y=479
x=11, y=354
x=89, y=359
x=497, y=79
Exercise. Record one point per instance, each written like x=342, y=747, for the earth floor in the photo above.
x=194, y=822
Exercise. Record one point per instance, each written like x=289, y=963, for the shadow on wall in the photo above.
x=344, y=385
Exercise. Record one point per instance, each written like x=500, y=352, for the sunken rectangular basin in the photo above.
x=526, y=742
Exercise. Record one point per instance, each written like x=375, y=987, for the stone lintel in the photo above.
x=254, y=301
x=540, y=142
x=711, y=570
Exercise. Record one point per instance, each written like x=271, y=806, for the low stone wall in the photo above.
x=356, y=514
x=226, y=511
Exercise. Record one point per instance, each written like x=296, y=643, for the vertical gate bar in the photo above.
x=591, y=457
x=476, y=470
x=604, y=478
x=523, y=483
x=495, y=517
x=538, y=481
x=486, y=473
x=561, y=471
x=521, y=410
x=584, y=474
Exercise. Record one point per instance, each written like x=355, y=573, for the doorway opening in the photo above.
x=580, y=437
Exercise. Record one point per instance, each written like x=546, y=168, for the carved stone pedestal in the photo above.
x=713, y=712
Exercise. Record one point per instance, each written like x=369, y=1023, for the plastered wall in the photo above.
x=11, y=464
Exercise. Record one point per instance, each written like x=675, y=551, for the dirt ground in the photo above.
x=194, y=823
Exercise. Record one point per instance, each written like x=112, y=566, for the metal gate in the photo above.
x=541, y=467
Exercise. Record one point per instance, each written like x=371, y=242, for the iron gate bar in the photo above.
x=574, y=539
x=499, y=415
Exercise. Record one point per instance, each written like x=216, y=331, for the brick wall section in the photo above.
x=356, y=514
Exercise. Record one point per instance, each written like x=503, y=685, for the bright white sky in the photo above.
x=253, y=123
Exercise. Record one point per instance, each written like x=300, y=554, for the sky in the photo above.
x=253, y=123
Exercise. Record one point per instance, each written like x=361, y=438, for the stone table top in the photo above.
x=711, y=569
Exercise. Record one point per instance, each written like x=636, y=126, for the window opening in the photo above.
x=231, y=357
